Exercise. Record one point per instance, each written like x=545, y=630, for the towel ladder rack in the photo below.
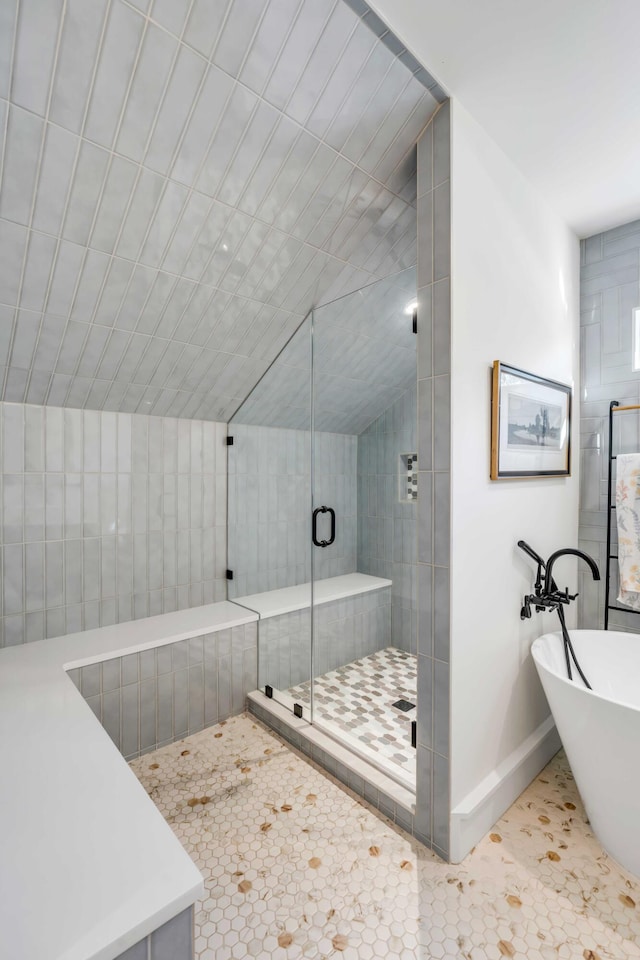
x=614, y=407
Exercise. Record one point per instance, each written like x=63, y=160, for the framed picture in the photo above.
x=530, y=425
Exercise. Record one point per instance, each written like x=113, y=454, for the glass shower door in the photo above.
x=364, y=557
x=322, y=522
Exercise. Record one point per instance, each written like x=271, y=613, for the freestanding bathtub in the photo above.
x=600, y=730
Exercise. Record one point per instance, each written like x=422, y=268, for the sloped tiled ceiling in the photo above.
x=182, y=180
x=364, y=358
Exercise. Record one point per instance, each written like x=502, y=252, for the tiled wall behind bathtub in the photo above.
x=387, y=524
x=270, y=506
x=107, y=517
x=610, y=292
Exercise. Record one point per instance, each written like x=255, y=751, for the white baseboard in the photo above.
x=476, y=814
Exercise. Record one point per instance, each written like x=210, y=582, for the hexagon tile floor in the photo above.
x=296, y=866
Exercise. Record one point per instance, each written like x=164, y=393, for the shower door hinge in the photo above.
x=414, y=733
x=297, y=710
x=268, y=691
x=229, y=441
x=229, y=574
x=414, y=320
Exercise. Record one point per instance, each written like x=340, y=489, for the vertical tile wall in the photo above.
x=172, y=941
x=107, y=517
x=270, y=506
x=345, y=630
x=610, y=292
x=390, y=40
x=335, y=481
x=387, y=525
x=434, y=481
x=148, y=699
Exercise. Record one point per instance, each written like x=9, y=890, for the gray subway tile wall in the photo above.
x=107, y=517
x=364, y=358
x=610, y=294
x=146, y=700
x=284, y=650
x=387, y=525
x=345, y=630
x=434, y=482
x=270, y=506
x=172, y=941
x=120, y=182
x=389, y=39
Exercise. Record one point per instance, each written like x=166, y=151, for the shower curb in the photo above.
x=390, y=798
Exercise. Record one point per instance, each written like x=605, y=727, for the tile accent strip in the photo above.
x=146, y=700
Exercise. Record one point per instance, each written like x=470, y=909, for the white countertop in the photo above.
x=273, y=603
x=88, y=866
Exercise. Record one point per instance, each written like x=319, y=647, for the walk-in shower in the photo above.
x=322, y=522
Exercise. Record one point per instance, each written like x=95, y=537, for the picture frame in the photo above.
x=530, y=425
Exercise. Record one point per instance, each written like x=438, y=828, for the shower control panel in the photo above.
x=408, y=477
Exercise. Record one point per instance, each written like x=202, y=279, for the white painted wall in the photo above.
x=555, y=85
x=515, y=275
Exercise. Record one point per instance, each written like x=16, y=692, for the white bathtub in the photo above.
x=600, y=730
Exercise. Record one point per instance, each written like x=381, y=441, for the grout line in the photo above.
x=68, y=196
x=5, y=139
x=14, y=41
x=36, y=184
x=101, y=194
x=336, y=6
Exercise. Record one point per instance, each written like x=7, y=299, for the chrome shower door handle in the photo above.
x=314, y=526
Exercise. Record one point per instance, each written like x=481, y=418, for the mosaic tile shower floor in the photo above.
x=296, y=866
x=358, y=699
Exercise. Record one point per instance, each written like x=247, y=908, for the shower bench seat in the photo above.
x=275, y=603
x=85, y=849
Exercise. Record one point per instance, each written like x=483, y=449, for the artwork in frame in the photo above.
x=530, y=425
